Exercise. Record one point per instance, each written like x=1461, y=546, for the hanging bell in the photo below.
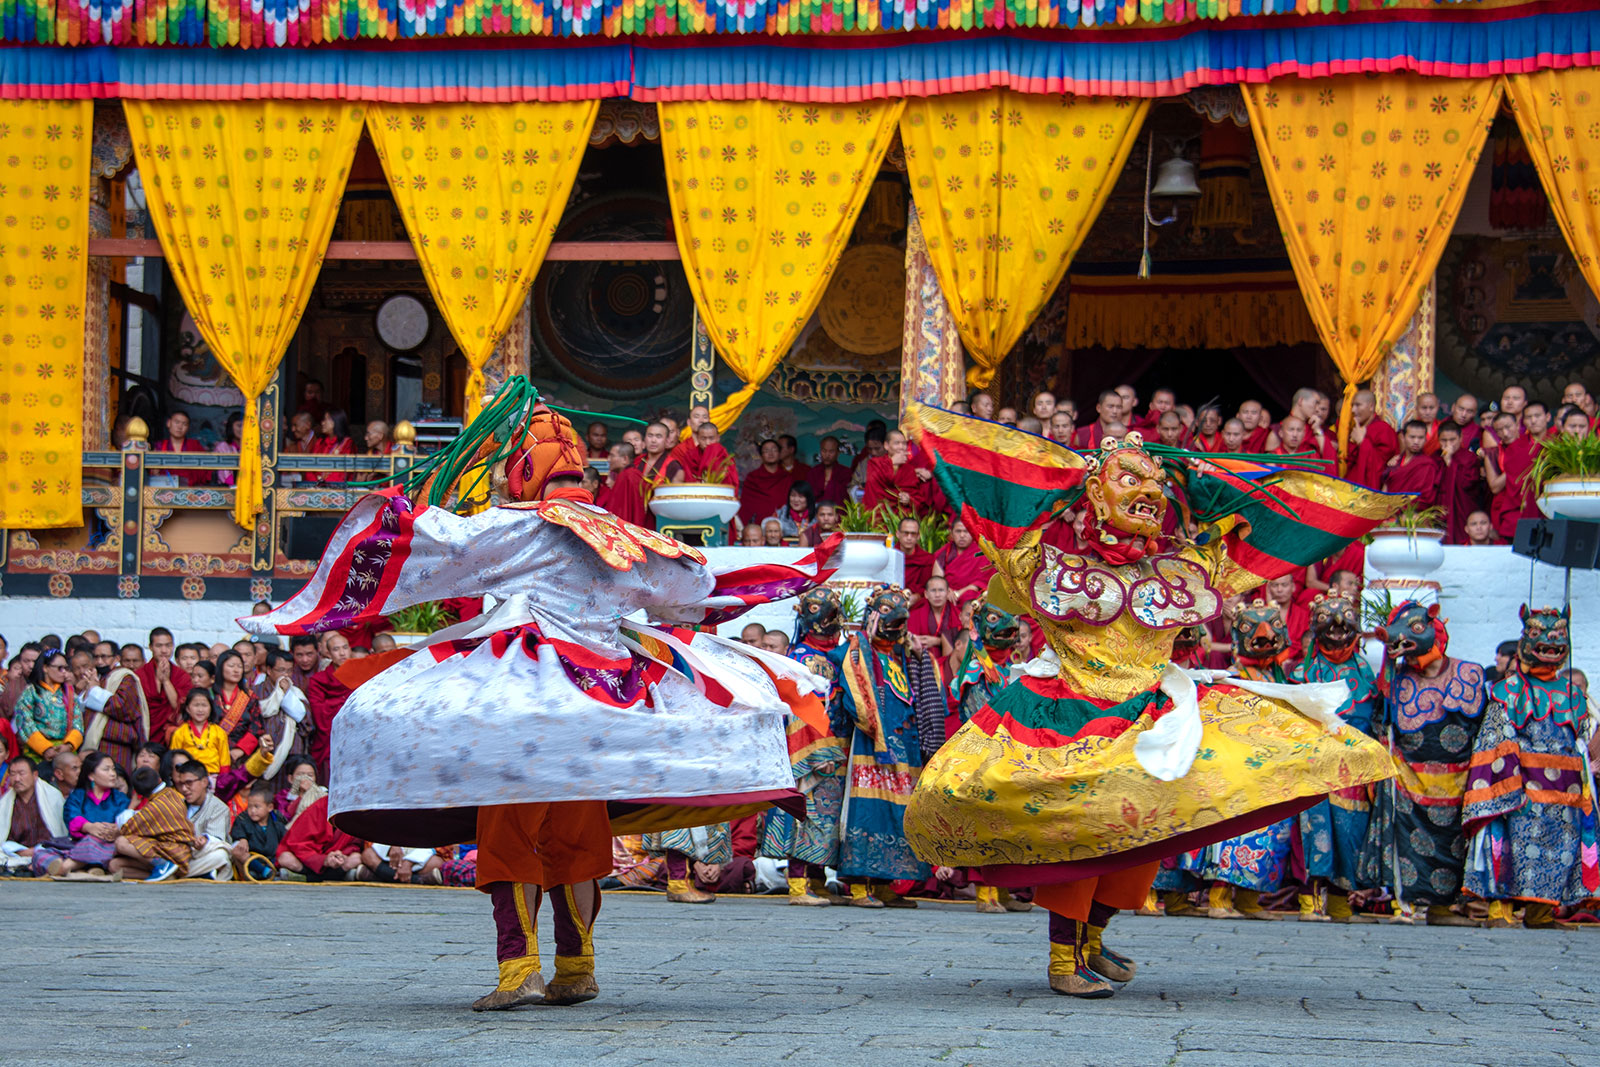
x=1175, y=178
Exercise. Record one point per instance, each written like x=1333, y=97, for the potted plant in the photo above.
x=710, y=498
x=1411, y=547
x=868, y=553
x=1565, y=477
x=850, y=606
x=413, y=624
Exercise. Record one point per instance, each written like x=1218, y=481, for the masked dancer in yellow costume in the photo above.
x=1104, y=757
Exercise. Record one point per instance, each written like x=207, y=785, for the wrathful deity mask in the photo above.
x=1335, y=624
x=997, y=629
x=1259, y=632
x=1414, y=632
x=1546, y=640
x=1124, y=490
x=888, y=612
x=821, y=613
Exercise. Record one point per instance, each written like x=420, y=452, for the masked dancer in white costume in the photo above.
x=555, y=721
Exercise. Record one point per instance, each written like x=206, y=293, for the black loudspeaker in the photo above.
x=1559, y=542
x=309, y=535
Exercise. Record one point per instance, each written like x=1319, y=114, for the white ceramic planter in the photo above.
x=1400, y=554
x=1569, y=496
x=403, y=639
x=694, y=502
x=864, y=557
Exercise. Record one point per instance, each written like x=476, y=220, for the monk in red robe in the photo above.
x=1373, y=442
x=829, y=479
x=919, y=561
x=178, y=440
x=1461, y=486
x=1108, y=409
x=1415, y=471
x=935, y=623
x=896, y=481
x=765, y=489
x=703, y=459
x=789, y=458
x=962, y=564
x=1507, y=469
x=652, y=465
x=166, y=687
x=327, y=695
x=1257, y=426
x=623, y=492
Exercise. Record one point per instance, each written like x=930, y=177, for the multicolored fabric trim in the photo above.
x=366, y=570
x=955, y=52
x=1295, y=517
x=1048, y=713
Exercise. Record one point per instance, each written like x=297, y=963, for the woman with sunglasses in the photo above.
x=49, y=719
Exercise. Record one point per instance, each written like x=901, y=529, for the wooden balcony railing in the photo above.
x=143, y=538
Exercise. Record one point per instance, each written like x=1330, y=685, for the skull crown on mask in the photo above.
x=1335, y=622
x=1546, y=639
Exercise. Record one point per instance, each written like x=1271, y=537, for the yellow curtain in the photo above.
x=1007, y=185
x=1555, y=111
x=765, y=195
x=1367, y=176
x=44, y=271
x=481, y=188
x=243, y=195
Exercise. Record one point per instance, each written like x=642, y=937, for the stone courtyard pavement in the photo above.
x=291, y=974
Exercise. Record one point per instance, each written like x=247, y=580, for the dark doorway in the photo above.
x=1228, y=376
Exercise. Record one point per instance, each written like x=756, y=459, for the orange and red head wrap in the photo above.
x=549, y=448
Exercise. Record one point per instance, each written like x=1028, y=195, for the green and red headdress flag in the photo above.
x=1295, y=517
x=1002, y=482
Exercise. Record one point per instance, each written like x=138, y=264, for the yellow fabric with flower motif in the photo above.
x=481, y=188
x=1555, y=111
x=44, y=235
x=1367, y=176
x=243, y=195
x=1007, y=185
x=765, y=194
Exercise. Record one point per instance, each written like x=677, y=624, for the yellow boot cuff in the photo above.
x=569, y=968
x=799, y=887
x=514, y=973
x=1062, y=960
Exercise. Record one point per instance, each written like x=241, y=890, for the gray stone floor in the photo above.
x=213, y=974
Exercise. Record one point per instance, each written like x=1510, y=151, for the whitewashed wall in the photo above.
x=1480, y=590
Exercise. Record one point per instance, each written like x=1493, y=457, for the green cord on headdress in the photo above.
x=504, y=421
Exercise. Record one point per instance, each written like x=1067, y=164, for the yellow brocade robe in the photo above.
x=1046, y=773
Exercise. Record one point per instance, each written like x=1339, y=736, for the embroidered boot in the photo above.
x=1500, y=917
x=1248, y=901
x=1101, y=960
x=1537, y=915
x=1069, y=972
x=1178, y=905
x=1151, y=905
x=989, y=900
x=1310, y=907
x=860, y=898
x=516, y=914
x=800, y=893
x=575, y=907
x=1220, y=900
x=680, y=887
x=1011, y=903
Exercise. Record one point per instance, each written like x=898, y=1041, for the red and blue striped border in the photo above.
x=1148, y=63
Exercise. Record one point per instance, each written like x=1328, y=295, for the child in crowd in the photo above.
x=201, y=738
x=257, y=833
